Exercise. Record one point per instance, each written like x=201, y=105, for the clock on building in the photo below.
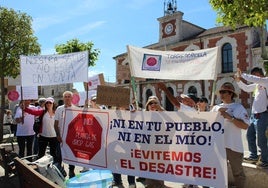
x=169, y=28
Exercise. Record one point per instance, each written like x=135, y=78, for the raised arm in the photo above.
x=170, y=97
x=36, y=111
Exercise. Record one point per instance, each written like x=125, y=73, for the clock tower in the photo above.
x=170, y=24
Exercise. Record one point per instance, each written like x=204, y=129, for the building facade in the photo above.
x=239, y=49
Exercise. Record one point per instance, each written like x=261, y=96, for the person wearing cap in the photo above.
x=259, y=116
x=47, y=134
x=235, y=119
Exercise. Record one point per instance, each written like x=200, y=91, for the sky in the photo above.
x=110, y=24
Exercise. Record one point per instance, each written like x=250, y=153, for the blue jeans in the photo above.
x=262, y=125
x=251, y=137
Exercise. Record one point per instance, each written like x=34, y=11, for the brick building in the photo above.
x=240, y=48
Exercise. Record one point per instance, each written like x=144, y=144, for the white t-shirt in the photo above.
x=233, y=134
x=25, y=129
x=48, y=126
x=260, y=101
x=185, y=108
x=60, y=114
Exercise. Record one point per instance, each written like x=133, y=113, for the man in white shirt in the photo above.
x=259, y=110
x=59, y=121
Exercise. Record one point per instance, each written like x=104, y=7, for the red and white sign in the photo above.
x=13, y=95
x=174, y=65
x=170, y=146
x=84, y=136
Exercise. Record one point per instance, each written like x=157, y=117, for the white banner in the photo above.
x=94, y=81
x=54, y=69
x=29, y=92
x=173, y=65
x=83, y=96
x=172, y=146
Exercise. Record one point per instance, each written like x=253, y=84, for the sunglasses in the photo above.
x=153, y=103
x=48, y=102
x=223, y=91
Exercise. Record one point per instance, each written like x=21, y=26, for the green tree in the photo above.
x=253, y=13
x=16, y=38
x=75, y=45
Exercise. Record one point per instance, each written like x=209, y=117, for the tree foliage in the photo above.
x=16, y=38
x=75, y=45
x=241, y=12
x=253, y=13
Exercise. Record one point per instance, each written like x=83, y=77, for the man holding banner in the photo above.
x=59, y=123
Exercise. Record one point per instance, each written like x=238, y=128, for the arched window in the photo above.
x=169, y=105
x=227, y=58
x=148, y=94
x=192, y=90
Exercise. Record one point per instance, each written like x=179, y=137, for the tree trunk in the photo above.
x=2, y=110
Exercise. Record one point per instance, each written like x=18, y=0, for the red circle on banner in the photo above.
x=89, y=84
x=13, y=95
x=76, y=98
x=84, y=136
x=151, y=61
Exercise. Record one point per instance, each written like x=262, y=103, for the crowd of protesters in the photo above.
x=50, y=118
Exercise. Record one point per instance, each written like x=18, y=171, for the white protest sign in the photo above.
x=54, y=69
x=185, y=147
x=83, y=96
x=174, y=65
x=29, y=92
x=95, y=80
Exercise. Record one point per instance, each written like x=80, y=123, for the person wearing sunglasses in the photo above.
x=152, y=104
x=235, y=119
x=46, y=132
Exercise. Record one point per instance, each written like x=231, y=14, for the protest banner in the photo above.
x=94, y=81
x=54, y=69
x=86, y=95
x=173, y=65
x=113, y=96
x=186, y=147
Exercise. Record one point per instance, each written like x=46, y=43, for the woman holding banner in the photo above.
x=153, y=104
x=47, y=134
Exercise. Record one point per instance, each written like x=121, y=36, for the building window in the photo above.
x=169, y=105
x=148, y=94
x=192, y=90
x=227, y=58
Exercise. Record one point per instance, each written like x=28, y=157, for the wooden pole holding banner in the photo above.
x=86, y=102
x=134, y=91
x=22, y=110
x=213, y=94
